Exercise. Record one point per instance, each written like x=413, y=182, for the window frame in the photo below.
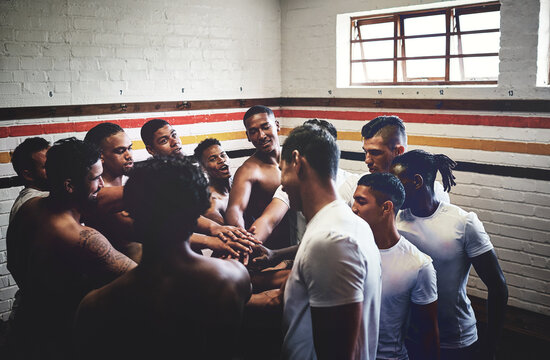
x=452, y=14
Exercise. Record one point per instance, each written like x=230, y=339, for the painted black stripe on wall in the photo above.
x=500, y=170
x=489, y=169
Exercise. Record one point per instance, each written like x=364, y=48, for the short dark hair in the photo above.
x=100, y=132
x=203, y=145
x=384, y=187
x=323, y=124
x=257, y=109
x=69, y=158
x=390, y=128
x=148, y=130
x=162, y=191
x=317, y=146
x=427, y=165
x=21, y=158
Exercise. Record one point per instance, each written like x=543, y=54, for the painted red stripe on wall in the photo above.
x=455, y=119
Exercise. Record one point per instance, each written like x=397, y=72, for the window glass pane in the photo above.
x=373, y=50
x=377, y=71
x=476, y=43
x=425, y=25
x=424, y=70
x=376, y=31
x=475, y=69
x=425, y=46
x=480, y=21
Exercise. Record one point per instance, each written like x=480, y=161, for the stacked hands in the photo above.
x=240, y=244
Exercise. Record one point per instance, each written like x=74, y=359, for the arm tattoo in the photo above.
x=99, y=248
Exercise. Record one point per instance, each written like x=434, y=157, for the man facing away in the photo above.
x=214, y=161
x=29, y=162
x=161, y=139
x=116, y=157
x=455, y=240
x=175, y=303
x=64, y=260
x=259, y=176
x=408, y=276
x=332, y=296
x=384, y=138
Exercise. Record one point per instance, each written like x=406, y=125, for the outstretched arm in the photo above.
x=336, y=330
x=271, y=217
x=239, y=196
x=488, y=269
x=425, y=317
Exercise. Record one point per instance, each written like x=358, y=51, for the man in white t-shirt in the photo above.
x=29, y=162
x=455, y=240
x=408, y=276
x=384, y=138
x=332, y=296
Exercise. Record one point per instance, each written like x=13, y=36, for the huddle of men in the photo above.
x=111, y=256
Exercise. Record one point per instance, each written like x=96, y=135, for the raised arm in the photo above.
x=425, y=318
x=270, y=218
x=336, y=330
x=489, y=271
x=239, y=196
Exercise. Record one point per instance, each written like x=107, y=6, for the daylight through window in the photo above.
x=446, y=46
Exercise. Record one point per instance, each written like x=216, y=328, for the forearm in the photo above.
x=199, y=241
x=496, y=308
x=288, y=253
x=205, y=225
x=262, y=229
x=109, y=199
x=234, y=216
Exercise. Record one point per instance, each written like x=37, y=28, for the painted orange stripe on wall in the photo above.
x=459, y=143
x=453, y=119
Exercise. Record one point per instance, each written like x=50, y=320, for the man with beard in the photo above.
x=259, y=176
x=161, y=139
x=117, y=161
x=65, y=259
x=214, y=161
x=29, y=162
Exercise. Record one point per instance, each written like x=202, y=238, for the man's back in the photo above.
x=188, y=309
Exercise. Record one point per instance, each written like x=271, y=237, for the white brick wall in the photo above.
x=87, y=51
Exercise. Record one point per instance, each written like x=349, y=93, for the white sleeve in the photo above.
x=281, y=195
x=425, y=289
x=334, y=272
x=476, y=240
x=346, y=187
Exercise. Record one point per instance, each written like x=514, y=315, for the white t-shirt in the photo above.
x=25, y=195
x=346, y=183
x=450, y=236
x=407, y=276
x=337, y=263
x=440, y=194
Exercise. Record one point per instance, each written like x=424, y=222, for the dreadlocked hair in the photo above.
x=427, y=165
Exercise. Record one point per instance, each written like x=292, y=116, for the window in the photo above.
x=446, y=46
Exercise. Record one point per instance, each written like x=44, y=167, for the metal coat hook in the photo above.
x=184, y=105
x=123, y=107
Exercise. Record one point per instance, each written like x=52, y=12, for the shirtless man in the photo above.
x=259, y=176
x=214, y=161
x=175, y=301
x=117, y=161
x=161, y=139
x=79, y=258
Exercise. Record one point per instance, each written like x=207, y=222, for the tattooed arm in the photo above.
x=99, y=256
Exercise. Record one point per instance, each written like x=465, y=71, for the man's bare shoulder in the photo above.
x=226, y=274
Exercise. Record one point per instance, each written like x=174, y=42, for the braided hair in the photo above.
x=427, y=165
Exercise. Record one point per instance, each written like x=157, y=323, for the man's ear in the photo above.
x=277, y=125
x=418, y=181
x=69, y=186
x=102, y=159
x=387, y=207
x=147, y=147
x=27, y=175
x=399, y=149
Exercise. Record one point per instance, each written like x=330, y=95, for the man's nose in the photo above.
x=368, y=159
x=101, y=182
